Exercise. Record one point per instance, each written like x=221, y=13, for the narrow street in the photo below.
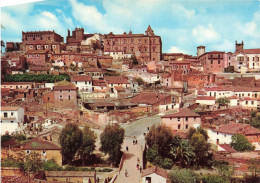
x=130, y=162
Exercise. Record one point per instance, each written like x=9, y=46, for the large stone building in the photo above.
x=41, y=40
x=146, y=47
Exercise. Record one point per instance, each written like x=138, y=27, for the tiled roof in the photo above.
x=64, y=85
x=99, y=83
x=202, y=92
x=149, y=98
x=156, y=170
x=81, y=78
x=93, y=69
x=10, y=108
x=39, y=144
x=36, y=51
x=252, y=51
x=69, y=174
x=227, y=148
x=116, y=80
x=39, y=69
x=233, y=128
x=205, y=98
x=183, y=112
x=17, y=83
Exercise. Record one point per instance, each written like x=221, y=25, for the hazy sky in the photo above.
x=183, y=24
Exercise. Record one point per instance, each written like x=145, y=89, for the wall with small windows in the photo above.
x=181, y=123
x=218, y=137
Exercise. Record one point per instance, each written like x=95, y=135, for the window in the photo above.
x=12, y=113
x=69, y=97
x=179, y=119
x=211, y=61
x=252, y=102
x=12, y=121
x=248, y=95
x=246, y=102
x=218, y=61
x=28, y=151
x=186, y=119
x=187, y=126
x=5, y=114
x=37, y=56
x=54, y=46
x=194, y=118
x=179, y=126
x=60, y=97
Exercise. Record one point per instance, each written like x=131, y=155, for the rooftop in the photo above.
x=81, y=78
x=149, y=98
x=157, y=170
x=39, y=144
x=233, y=128
x=183, y=112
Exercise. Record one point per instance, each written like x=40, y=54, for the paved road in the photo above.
x=139, y=127
x=130, y=161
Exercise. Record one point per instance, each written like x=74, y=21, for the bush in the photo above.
x=183, y=176
x=167, y=163
x=241, y=143
x=9, y=162
x=51, y=165
x=214, y=179
x=35, y=78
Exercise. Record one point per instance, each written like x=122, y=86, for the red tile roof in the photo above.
x=93, y=69
x=183, y=112
x=116, y=80
x=40, y=69
x=233, y=128
x=36, y=52
x=227, y=148
x=156, y=170
x=202, y=92
x=205, y=98
x=39, y=144
x=64, y=85
x=81, y=78
x=252, y=51
x=99, y=83
x=149, y=98
x=10, y=108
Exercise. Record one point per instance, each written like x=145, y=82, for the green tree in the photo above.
x=240, y=143
x=183, y=176
x=111, y=140
x=160, y=138
x=201, y=148
x=88, y=143
x=254, y=166
x=32, y=163
x=140, y=81
x=183, y=152
x=70, y=140
x=51, y=165
x=222, y=101
x=214, y=179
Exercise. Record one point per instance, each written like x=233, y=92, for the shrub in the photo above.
x=183, y=176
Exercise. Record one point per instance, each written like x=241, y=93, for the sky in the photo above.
x=182, y=24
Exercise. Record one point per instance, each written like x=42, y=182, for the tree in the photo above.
x=183, y=176
x=201, y=147
x=88, y=143
x=254, y=166
x=140, y=81
x=31, y=162
x=160, y=138
x=183, y=152
x=240, y=143
x=111, y=140
x=51, y=165
x=214, y=179
x=70, y=140
x=222, y=101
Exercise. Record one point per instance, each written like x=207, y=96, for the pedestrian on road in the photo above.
x=140, y=169
x=126, y=173
x=148, y=128
x=136, y=142
x=137, y=166
x=127, y=148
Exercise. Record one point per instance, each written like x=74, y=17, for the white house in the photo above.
x=83, y=83
x=11, y=119
x=206, y=100
x=154, y=175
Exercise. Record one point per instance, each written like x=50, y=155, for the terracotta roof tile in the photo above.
x=99, y=83
x=92, y=69
x=205, y=98
x=233, y=128
x=183, y=112
x=10, y=108
x=116, y=80
x=252, y=51
x=227, y=148
x=156, y=170
x=81, y=78
x=39, y=144
x=149, y=98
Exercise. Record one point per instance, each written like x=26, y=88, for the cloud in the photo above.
x=203, y=34
x=225, y=45
x=175, y=49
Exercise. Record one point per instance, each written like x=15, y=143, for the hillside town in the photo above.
x=105, y=108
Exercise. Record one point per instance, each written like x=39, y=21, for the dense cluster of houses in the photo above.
x=121, y=77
